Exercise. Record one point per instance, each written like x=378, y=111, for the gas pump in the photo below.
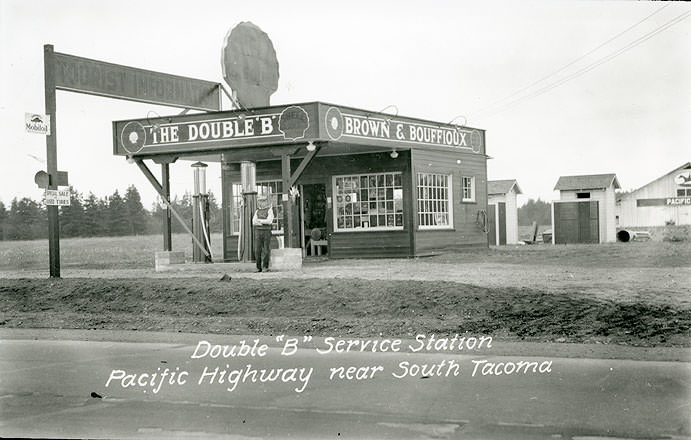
x=248, y=178
x=200, y=214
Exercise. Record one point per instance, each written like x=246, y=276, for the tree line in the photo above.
x=117, y=215
x=535, y=211
x=91, y=216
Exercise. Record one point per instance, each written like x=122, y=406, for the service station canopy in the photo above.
x=347, y=130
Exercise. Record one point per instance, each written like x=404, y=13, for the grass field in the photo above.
x=634, y=293
x=138, y=252
x=96, y=252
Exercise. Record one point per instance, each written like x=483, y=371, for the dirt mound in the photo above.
x=337, y=307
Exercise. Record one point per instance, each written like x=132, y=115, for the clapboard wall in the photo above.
x=466, y=232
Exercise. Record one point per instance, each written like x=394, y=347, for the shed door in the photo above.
x=588, y=219
x=576, y=222
x=502, y=222
x=491, y=225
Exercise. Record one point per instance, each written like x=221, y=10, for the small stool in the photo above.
x=317, y=245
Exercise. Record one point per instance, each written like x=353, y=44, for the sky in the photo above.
x=561, y=87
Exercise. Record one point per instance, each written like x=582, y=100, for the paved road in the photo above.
x=46, y=386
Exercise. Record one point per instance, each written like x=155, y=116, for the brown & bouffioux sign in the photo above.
x=353, y=125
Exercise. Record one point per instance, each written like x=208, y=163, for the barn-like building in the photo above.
x=665, y=200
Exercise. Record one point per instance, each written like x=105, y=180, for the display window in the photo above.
x=368, y=202
x=434, y=201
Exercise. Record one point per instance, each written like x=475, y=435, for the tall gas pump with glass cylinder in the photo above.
x=200, y=215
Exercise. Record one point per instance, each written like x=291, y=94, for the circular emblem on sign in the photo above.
x=334, y=123
x=476, y=141
x=133, y=137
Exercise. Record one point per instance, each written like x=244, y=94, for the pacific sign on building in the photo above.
x=676, y=201
x=667, y=201
x=282, y=125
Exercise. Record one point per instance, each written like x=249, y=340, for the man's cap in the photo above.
x=263, y=202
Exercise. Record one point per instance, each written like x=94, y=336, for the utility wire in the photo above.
x=565, y=66
x=593, y=65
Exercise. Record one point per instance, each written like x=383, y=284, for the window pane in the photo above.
x=433, y=200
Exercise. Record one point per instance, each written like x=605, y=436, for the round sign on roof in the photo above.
x=249, y=64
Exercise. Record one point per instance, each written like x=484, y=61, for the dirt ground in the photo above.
x=338, y=307
x=633, y=294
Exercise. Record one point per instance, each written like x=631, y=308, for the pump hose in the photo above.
x=481, y=220
x=240, y=249
x=206, y=233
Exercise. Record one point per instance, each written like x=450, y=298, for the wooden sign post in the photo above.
x=52, y=161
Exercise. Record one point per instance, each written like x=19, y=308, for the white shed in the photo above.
x=585, y=211
x=503, y=210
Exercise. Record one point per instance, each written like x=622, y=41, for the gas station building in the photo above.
x=365, y=184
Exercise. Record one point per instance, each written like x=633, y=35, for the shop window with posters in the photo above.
x=368, y=202
x=270, y=188
x=434, y=200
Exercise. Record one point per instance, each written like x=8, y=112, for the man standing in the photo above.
x=262, y=222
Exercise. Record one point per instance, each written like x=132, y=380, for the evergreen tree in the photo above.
x=72, y=217
x=215, y=214
x=3, y=221
x=93, y=216
x=535, y=211
x=136, y=214
x=26, y=220
x=156, y=217
x=184, y=208
x=117, y=221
